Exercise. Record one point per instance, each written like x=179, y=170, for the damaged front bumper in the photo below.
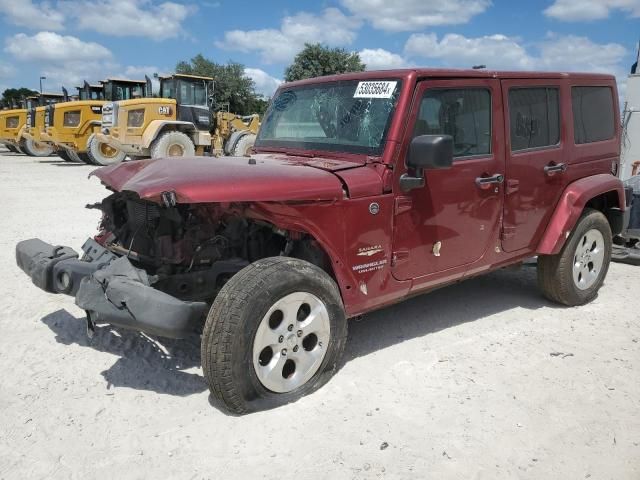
x=109, y=288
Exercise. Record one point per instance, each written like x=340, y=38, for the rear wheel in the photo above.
x=574, y=276
x=100, y=153
x=36, y=149
x=64, y=155
x=244, y=145
x=84, y=156
x=12, y=149
x=73, y=155
x=275, y=333
x=172, y=144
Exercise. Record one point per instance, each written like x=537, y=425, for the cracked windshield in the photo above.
x=351, y=117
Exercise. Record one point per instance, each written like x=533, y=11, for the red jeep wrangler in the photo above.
x=364, y=189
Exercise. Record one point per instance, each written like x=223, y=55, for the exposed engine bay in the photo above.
x=191, y=250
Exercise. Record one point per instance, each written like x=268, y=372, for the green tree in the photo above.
x=317, y=60
x=232, y=86
x=11, y=96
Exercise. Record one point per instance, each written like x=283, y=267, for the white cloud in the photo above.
x=6, y=70
x=266, y=85
x=584, y=10
x=25, y=13
x=381, y=59
x=62, y=58
x=498, y=52
x=410, y=15
x=130, y=18
x=571, y=52
x=495, y=51
x=331, y=27
x=53, y=47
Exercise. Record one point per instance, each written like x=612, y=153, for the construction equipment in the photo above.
x=181, y=123
x=20, y=128
x=72, y=126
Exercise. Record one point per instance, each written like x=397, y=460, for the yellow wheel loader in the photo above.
x=72, y=126
x=12, y=121
x=21, y=128
x=180, y=123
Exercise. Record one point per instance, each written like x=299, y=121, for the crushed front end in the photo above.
x=152, y=267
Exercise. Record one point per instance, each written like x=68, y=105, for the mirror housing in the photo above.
x=426, y=152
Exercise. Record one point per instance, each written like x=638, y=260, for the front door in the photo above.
x=456, y=217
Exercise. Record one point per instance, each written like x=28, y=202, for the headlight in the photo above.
x=12, y=122
x=135, y=118
x=71, y=119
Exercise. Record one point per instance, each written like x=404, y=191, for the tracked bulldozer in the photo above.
x=183, y=122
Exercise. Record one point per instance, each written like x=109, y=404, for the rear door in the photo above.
x=451, y=221
x=536, y=163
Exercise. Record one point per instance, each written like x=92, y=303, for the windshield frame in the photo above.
x=335, y=148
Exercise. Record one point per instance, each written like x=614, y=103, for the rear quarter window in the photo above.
x=593, y=115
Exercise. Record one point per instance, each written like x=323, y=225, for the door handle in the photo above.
x=554, y=168
x=485, y=182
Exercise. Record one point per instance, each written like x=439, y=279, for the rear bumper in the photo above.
x=109, y=288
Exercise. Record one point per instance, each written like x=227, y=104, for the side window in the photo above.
x=463, y=113
x=534, y=117
x=593, y=116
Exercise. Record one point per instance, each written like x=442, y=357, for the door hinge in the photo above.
x=399, y=256
x=512, y=186
x=403, y=204
x=508, y=232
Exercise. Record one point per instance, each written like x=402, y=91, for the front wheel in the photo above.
x=36, y=149
x=275, y=333
x=100, y=153
x=244, y=145
x=172, y=144
x=574, y=276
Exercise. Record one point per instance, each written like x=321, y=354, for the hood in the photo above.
x=225, y=179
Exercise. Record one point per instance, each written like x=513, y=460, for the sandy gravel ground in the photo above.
x=483, y=380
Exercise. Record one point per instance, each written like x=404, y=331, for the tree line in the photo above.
x=234, y=88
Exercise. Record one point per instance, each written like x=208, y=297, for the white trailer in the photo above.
x=631, y=125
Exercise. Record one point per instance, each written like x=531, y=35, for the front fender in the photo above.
x=155, y=127
x=570, y=207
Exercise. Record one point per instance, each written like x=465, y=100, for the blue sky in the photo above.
x=71, y=40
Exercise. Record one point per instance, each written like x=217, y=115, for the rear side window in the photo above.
x=463, y=113
x=593, y=116
x=534, y=117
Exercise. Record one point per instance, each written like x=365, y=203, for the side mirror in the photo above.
x=426, y=152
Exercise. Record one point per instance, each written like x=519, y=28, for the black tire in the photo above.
x=555, y=272
x=36, y=149
x=84, y=156
x=244, y=145
x=102, y=154
x=74, y=156
x=233, y=321
x=64, y=155
x=172, y=144
x=12, y=149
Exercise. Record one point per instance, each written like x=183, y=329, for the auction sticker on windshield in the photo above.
x=375, y=89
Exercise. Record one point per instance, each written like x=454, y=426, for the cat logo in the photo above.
x=164, y=110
